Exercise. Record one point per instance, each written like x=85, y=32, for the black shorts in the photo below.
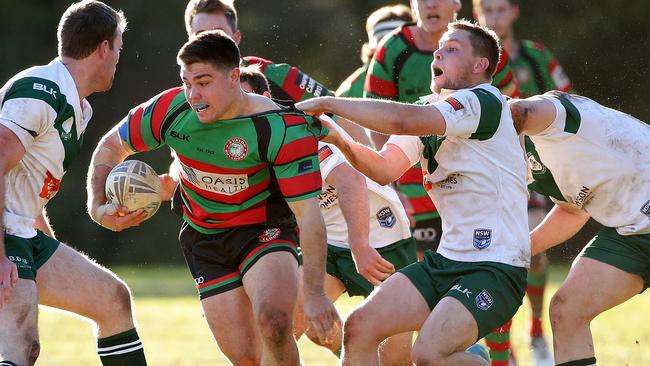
x=218, y=262
x=427, y=234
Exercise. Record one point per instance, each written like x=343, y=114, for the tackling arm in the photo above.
x=560, y=225
x=392, y=118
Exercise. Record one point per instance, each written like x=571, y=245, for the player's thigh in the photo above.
x=71, y=281
x=593, y=287
x=272, y=283
x=396, y=306
x=230, y=318
x=450, y=328
x=18, y=323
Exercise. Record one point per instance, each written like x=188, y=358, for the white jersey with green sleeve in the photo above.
x=41, y=107
x=387, y=217
x=600, y=160
x=476, y=176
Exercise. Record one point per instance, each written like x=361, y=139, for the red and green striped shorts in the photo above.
x=218, y=262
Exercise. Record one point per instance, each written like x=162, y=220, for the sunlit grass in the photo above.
x=174, y=332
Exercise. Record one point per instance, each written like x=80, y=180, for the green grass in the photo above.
x=174, y=332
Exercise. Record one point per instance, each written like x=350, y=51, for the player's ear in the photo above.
x=234, y=75
x=515, y=12
x=236, y=37
x=103, y=48
x=481, y=65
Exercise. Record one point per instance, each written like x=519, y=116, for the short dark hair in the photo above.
x=227, y=7
x=214, y=47
x=252, y=74
x=86, y=24
x=485, y=42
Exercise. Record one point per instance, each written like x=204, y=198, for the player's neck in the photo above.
x=511, y=45
x=81, y=74
x=426, y=41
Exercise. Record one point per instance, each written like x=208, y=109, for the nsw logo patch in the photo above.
x=269, y=234
x=484, y=300
x=454, y=103
x=386, y=217
x=645, y=209
x=482, y=238
x=236, y=149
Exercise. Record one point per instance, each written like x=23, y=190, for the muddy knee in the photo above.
x=275, y=325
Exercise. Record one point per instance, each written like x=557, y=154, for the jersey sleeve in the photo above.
x=329, y=157
x=556, y=72
x=380, y=80
x=294, y=158
x=411, y=146
x=30, y=107
x=142, y=128
x=504, y=77
x=288, y=82
x=352, y=86
x=462, y=113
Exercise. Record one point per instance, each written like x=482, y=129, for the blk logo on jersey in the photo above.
x=268, y=235
x=454, y=103
x=305, y=165
x=386, y=218
x=484, y=300
x=535, y=166
x=236, y=149
x=645, y=209
x=482, y=238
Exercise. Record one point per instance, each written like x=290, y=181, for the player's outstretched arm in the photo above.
x=560, y=225
x=383, y=167
x=109, y=152
x=11, y=153
x=319, y=310
x=388, y=117
x=353, y=199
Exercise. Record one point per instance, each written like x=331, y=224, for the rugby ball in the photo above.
x=135, y=185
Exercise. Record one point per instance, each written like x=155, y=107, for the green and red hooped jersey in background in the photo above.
x=400, y=71
x=538, y=71
x=234, y=172
x=352, y=86
x=287, y=82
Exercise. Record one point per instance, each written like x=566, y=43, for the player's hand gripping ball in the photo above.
x=135, y=185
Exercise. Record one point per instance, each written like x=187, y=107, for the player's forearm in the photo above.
x=353, y=200
x=357, y=132
x=366, y=160
x=107, y=155
x=557, y=227
x=388, y=117
x=314, y=248
x=43, y=224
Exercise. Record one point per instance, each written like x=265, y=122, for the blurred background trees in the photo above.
x=603, y=46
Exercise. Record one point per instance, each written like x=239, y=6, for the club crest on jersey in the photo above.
x=482, y=238
x=269, y=234
x=535, y=165
x=484, y=300
x=386, y=218
x=645, y=209
x=454, y=103
x=236, y=149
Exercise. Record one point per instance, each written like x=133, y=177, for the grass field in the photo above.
x=174, y=332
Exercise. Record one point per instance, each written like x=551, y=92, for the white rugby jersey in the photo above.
x=599, y=159
x=41, y=106
x=388, y=220
x=476, y=176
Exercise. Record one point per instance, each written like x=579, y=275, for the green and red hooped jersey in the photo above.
x=400, y=71
x=352, y=86
x=234, y=172
x=287, y=82
x=538, y=71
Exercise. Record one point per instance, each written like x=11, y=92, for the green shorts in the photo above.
x=29, y=254
x=630, y=253
x=491, y=291
x=341, y=265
